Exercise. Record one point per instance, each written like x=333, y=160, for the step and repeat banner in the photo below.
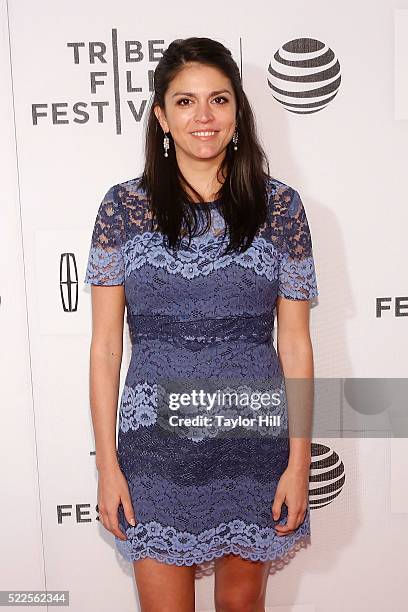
x=329, y=88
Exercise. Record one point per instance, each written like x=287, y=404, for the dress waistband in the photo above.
x=199, y=333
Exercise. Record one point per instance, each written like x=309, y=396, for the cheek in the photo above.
x=181, y=123
x=229, y=119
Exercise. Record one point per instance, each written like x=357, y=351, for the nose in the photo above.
x=204, y=113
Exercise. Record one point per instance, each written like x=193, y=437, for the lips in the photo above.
x=202, y=134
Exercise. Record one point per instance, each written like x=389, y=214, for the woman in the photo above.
x=203, y=249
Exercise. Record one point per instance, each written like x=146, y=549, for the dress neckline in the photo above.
x=210, y=204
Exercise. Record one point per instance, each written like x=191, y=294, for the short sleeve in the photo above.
x=105, y=261
x=297, y=275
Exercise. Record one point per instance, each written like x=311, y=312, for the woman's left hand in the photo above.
x=293, y=489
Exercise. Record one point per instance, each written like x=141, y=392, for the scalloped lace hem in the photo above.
x=205, y=567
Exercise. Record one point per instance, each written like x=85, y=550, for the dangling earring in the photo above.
x=166, y=144
x=235, y=140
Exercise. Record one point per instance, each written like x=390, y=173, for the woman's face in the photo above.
x=199, y=99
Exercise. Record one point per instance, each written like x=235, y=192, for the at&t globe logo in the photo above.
x=304, y=75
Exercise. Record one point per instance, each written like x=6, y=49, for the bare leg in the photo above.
x=240, y=584
x=163, y=587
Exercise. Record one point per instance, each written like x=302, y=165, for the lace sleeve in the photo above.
x=297, y=276
x=105, y=261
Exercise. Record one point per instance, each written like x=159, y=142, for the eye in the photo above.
x=179, y=102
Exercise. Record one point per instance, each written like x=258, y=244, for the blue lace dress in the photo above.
x=198, y=314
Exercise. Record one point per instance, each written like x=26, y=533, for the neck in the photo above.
x=201, y=174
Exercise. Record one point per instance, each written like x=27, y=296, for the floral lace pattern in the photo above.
x=297, y=275
x=182, y=461
x=138, y=406
x=120, y=244
x=105, y=261
x=202, y=491
x=185, y=548
x=195, y=334
x=212, y=532
x=201, y=259
x=146, y=405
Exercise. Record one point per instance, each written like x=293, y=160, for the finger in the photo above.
x=128, y=510
x=280, y=535
x=102, y=517
x=292, y=518
x=302, y=517
x=288, y=528
x=283, y=529
x=276, y=508
x=114, y=525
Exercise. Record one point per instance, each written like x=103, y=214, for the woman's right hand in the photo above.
x=113, y=490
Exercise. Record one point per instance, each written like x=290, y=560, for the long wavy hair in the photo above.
x=243, y=195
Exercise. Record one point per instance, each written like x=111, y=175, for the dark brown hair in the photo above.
x=243, y=193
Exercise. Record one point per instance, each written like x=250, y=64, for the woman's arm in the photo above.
x=108, y=305
x=296, y=356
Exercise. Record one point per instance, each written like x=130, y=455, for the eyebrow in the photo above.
x=189, y=93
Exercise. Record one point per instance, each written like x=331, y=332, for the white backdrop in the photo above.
x=72, y=125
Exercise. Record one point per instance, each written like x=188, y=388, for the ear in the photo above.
x=161, y=118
